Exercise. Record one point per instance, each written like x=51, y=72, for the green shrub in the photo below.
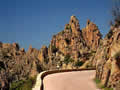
x=79, y=63
x=2, y=66
x=108, y=88
x=93, y=51
x=16, y=85
x=54, y=49
x=89, y=66
x=23, y=85
x=68, y=27
x=94, y=30
x=68, y=59
x=97, y=81
x=99, y=85
x=109, y=35
x=67, y=40
x=62, y=32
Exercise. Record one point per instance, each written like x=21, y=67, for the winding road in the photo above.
x=76, y=80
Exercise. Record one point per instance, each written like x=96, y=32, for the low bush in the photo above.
x=67, y=40
x=67, y=59
x=93, y=51
x=23, y=85
x=79, y=63
x=109, y=35
x=97, y=81
x=62, y=32
x=54, y=49
x=68, y=27
x=2, y=66
x=108, y=88
x=99, y=85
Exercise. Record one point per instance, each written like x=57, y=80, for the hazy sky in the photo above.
x=33, y=22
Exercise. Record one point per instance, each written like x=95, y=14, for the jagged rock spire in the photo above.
x=88, y=22
x=74, y=23
x=91, y=35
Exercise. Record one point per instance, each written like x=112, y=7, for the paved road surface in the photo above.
x=77, y=80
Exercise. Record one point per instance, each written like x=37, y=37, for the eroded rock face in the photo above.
x=107, y=60
x=16, y=46
x=74, y=24
x=16, y=64
x=67, y=50
x=81, y=45
x=43, y=54
x=70, y=40
x=75, y=42
x=91, y=35
x=4, y=85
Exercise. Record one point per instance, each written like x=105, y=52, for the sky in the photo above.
x=34, y=22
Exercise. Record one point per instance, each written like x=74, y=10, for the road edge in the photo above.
x=40, y=77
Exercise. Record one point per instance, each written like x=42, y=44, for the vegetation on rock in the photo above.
x=71, y=48
x=68, y=60
x=54, y=49
x=100, y=86
x=68, y=27
x=67, y=40
x=109, y=35
x=23, y=84
x=79, y=63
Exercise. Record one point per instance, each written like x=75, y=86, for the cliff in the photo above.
x=107, y=59
x=91, y=35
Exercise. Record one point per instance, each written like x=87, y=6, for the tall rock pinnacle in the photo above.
x=91, y=35
x=74, y=23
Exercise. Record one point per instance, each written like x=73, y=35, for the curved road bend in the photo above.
x=76, y=80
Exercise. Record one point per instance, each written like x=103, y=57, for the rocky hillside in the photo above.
x=84, y=48
x=16, y=64
x=107, y=59
x=91, y=35
x=72, y=47
x=69, y=49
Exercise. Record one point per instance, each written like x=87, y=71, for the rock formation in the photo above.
x=43, y=54
x=80, y=45
x=91, y=35
x=70, y=40
x=74, y=24
x=16, y=64
x=69, y=49
x=107, y=60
